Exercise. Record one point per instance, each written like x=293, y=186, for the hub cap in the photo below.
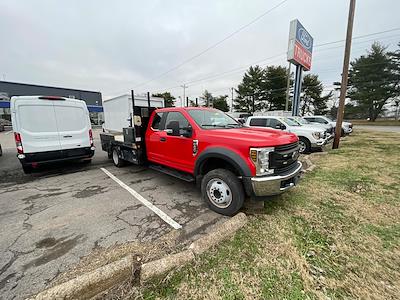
x=219, y=193
x=302, y=146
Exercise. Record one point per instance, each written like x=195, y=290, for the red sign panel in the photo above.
x=302, y=56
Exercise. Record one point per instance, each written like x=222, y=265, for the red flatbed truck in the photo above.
x=204, y=145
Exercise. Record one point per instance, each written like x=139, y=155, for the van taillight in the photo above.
x=18, y=143
x=91, y=137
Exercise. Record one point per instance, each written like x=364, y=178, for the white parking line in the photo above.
x=139, y=197
x=8, y=132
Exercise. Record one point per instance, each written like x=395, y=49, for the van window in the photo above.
x=37, y=118
x=258, y=122
x=70, y=118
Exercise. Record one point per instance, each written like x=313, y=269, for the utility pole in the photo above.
x=345, y=75
x=232, y=100
x=288, y=88
x=184, y=94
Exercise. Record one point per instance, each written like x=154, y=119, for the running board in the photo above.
x=172, y=172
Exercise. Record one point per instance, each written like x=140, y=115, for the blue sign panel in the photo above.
x=303, y=37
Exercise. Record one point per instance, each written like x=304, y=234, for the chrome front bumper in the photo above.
x=276, y=184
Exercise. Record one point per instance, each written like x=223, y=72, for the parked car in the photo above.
x=330, y=130
x=49, y=129
x=309, y=137
x=347, y=127
x=206, y=146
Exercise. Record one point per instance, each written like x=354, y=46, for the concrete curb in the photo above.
x=91, y=284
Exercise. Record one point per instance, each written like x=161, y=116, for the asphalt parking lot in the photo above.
x=54, y=217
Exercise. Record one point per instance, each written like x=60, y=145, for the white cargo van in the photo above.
x=49, y=129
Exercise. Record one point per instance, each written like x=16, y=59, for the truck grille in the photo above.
x=284, y=158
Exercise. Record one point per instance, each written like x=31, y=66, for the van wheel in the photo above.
x=222, y=191
x=118, y=162
x=305, y=145
x=27, y=169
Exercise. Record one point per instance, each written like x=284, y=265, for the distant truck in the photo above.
x=50, y=128
x=309, y=137
x=202, y=145
x=347, y=127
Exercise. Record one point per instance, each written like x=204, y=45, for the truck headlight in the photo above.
x=260, y=159
x=316, y=135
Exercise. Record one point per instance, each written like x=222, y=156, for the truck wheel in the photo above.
x=27, y=169
x=222, y=191
x=118, y=162
x=305, y=145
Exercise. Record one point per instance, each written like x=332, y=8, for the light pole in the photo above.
x=184, y=94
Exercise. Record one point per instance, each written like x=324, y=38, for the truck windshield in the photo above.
x=291, y=122
x=301, y=121
x=209, y=119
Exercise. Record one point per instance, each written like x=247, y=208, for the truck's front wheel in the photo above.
x=222, y=191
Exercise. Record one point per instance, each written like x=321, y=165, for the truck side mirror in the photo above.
x=187, y=131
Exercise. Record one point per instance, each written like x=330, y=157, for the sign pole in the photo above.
x=287, y=88
x=297, y=90
x=345, y=75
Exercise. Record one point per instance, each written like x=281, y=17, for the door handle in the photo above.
x=163, y=139
x=67, y=136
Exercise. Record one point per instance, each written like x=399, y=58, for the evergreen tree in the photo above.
x=372, y=81
x=395, y=57
x=275, y=86
x=221, y=103
x=311, y=100
x=252, y=86
x=168, y=98
x=208, y=98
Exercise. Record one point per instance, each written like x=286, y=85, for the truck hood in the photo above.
x=254, y=137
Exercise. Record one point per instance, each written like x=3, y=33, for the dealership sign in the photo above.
x=300, y=45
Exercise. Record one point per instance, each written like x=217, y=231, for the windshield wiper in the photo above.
x=212, y=125
x=234, y=125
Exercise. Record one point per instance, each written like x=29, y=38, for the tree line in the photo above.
x=374, y=85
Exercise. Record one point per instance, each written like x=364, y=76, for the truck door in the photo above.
x=154, y=139
x=73, y=124
x=177, y=148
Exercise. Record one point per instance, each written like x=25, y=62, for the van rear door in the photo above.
x=73, y=124
x=36, y=123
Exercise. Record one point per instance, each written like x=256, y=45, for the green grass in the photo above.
x=337, y=236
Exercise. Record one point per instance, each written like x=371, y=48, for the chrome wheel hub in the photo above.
x=219, y=193
x=302, y=146
x=115, y=157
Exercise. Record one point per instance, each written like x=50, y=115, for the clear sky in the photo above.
x=114, y=46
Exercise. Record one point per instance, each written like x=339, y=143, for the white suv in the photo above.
x=309, y=137
x=347, y=127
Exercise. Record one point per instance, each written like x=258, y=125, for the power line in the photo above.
x=284, y=53
x=214, y=45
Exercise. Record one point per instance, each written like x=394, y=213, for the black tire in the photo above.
x=235, y=189
x=1, y=151
x=27, y=169
x=87, y=161
x=305, y=145
x=342, y=133
x=118, y=162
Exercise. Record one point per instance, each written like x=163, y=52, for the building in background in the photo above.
x=8, y=89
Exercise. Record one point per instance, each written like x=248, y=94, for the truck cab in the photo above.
x=227, y=160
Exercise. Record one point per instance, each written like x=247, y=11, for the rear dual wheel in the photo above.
x=222, y=191
x=115, y=155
